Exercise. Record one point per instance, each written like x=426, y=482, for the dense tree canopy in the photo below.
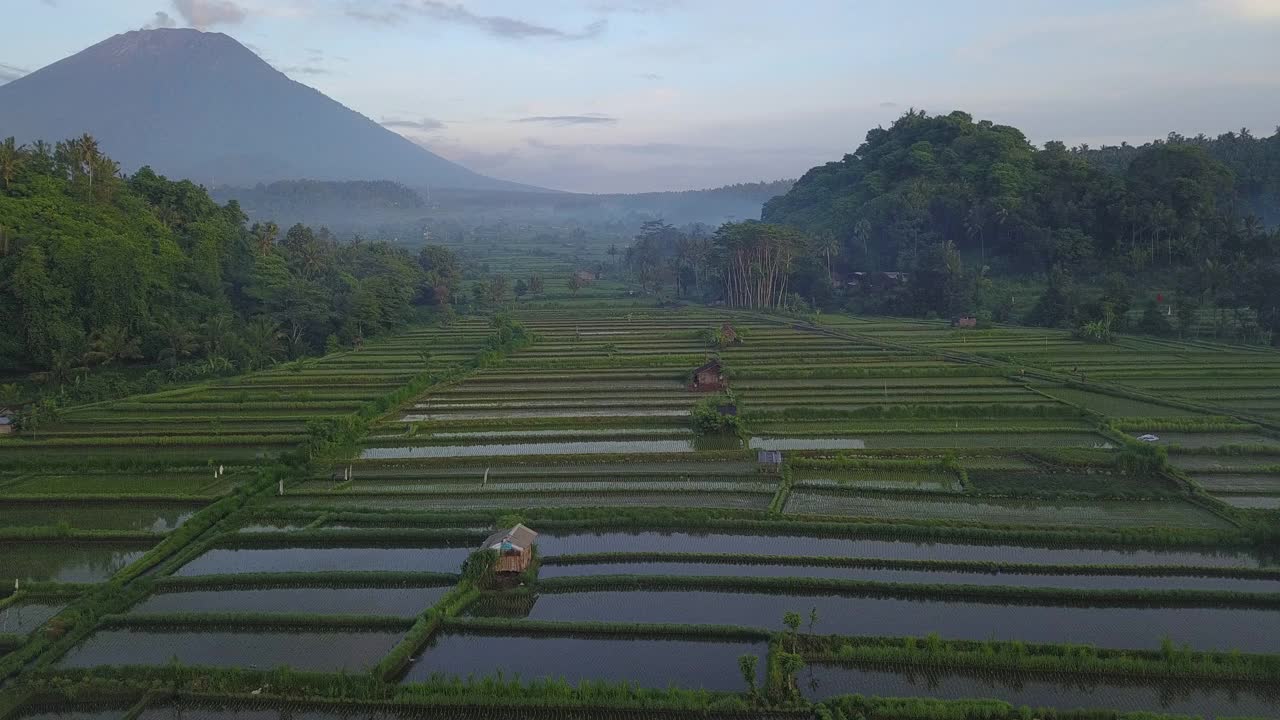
x=931, y=180
x=100, y=269
x=954, y=202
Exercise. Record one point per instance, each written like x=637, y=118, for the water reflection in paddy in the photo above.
x=1248, y=630
x=398, y=601
x=728, y=568
x=563, y=543
x=583, y=447
x=326, y=559
x=657, y=663
x=1178, y=696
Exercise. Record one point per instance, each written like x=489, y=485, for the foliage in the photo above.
x=1168, y=661
x=478, y=567
x=99, y=269
x=1011, y=594
x=717, y=415
x=946, y=199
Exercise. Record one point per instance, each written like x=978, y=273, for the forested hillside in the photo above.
x=955, y=202
x=98, y=270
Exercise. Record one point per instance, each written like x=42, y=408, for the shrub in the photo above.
x=708, y=419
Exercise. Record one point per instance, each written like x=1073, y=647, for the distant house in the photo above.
x=586, y=276
x=876, y=279
x=769, y=460
x=964, y=321
x=708, y=377
x=514, y=548
x=6, y=425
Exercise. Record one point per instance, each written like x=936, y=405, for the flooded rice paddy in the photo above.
x=581, y=447
x=393, y=601
x=317, y=650
x=65, y=562
x=1181, y=697
x=564, y=543
x=325, y=559
x=728, y=568
x=144, y=517
x=1112, y=513
x=658, y=663
x=1115, y=627
x=22, y=617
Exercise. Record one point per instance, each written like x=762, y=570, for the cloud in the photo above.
x=651, y=148
x=651, y=76
x=161, y=19
x=497, y=25
x=377, y=17
x=640, y=7
x=888, y=104
x=306, y=70
x=207, y=13
x=591, y=119
x=423, y=124
x=11, y=72
x=1250, y=9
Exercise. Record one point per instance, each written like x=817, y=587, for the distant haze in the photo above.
x=635, y=95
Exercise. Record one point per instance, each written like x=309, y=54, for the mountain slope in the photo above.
x=202, y=106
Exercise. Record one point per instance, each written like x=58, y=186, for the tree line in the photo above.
x=932, y=214
x=99, y=269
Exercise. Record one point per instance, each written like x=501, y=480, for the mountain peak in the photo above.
x=203, y=106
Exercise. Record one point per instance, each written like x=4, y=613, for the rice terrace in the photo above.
x=899, y=509
x=639, y=360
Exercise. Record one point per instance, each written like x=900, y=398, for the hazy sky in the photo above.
x=631, y=95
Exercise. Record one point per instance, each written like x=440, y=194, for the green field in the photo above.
x=966, y=502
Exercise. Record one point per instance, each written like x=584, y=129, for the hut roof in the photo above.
x=712, y=364
x=769, y=457
x=520, y=537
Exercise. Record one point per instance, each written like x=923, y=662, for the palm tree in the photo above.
x=62, y=367
x=265, y=234
x=828, y=244
x=112, y=344
x=87, y=154
x=217, y=335
x=11, y=160
x=975, y=225
x=106, y=170
x=262, y=336
x=862, y=234
x=180, y=342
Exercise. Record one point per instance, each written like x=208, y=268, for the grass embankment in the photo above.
x=239, y=620
x=336, y=579
x=1169, y=661
x=992, y=568
x=1005, y=594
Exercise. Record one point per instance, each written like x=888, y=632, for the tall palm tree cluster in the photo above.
x=747, y=264
x=80, y=160
x=754, y=260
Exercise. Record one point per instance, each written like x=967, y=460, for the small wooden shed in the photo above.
x=708, y=377
x=964, y=322
x=514, y=547
x=6, y=425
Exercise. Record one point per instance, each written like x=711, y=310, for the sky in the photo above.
x=642, y=95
